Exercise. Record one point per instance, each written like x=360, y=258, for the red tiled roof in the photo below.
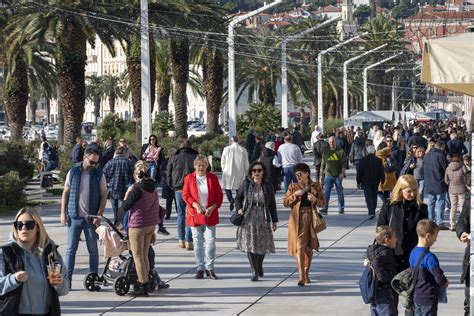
x=443, y=15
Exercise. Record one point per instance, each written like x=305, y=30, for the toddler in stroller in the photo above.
x=119, y=270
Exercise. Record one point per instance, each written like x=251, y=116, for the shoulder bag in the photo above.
x=237, y=218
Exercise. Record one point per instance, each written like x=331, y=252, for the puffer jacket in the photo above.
x=455, y=177
x=383, y=263
x=390, y=177
x=179, y=166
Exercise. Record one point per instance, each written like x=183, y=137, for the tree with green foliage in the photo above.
x=111, y=126
x=163, y=123
x=262, y=118
x=94, y=93
x=113, y=88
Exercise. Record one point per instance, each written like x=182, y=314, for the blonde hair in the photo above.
x=201, y=158
x=141, y=169
x=42, y=240
x=405, y=181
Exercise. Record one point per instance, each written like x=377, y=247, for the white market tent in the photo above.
x=365, y=120
x=448, y=63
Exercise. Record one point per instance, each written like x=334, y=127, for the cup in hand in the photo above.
x=54, y=273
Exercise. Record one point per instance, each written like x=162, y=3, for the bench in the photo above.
x=309, y=148
x=34, y=194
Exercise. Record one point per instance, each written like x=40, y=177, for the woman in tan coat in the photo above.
x=304, y=198
x=384, y=153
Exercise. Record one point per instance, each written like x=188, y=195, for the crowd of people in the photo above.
x=402, y=166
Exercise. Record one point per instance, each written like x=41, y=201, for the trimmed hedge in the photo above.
x=11, y=189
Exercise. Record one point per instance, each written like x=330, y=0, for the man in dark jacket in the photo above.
x=179, y=166
x=358, y=150
x=463, y=231
x=257, y=150
x=435, y=164
x=297, y=137
x=456, y=146
x=417, y=139
x=77, y=153
x=370, y=175
x=319, y=147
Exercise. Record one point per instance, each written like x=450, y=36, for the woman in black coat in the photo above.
x=463, y=231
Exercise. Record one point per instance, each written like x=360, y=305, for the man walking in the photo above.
x=370, y=175
x=234, y=164
x=318, y=149
x=77, y=153
x=333, y=168
x=119, y=174
x=179, y=166
x=85, y=193
x=434, y=165
x=290, y=156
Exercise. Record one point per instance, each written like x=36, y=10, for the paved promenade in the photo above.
x=335, y=270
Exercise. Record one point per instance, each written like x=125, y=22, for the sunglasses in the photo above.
x=257, y=170
x=92, y=162
x=122, y=141
x=299, y=174
x=28, y=224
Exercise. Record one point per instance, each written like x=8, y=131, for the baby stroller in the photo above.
x=119, y=270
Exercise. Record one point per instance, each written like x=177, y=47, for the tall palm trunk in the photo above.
x=48, y=110
x=213, y=81
x=135, y=80
x=164, y=94
x=70, y=64
x=33, y=108
x=179, y=52
x=96, y=110
x=60, y=121
x=112, y=98
x=16, y=99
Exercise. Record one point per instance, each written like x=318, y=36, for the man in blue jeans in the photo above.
x=333, y=168
x=179, y=166
x=434, y=169
x=85, y=193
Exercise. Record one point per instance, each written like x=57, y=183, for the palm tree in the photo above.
x=112, y=87
x=26, y=67
x=94, y=93
x=179, y=52
x=213, y=82
x=163, y=74
x=71, y=28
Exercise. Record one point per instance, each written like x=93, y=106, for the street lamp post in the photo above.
x=320, y=76
x=366, y=69
x=345, y=89
x=284, y=69
x=145, y=71
x=231, y=66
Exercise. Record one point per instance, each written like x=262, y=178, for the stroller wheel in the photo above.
x=90, y=282
x=121, y=286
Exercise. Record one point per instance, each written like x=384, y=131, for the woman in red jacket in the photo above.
x=203, y=196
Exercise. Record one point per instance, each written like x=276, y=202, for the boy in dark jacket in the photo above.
x=430, y=276
x=383, y=262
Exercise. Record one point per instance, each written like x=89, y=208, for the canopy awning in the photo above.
x=448, y=63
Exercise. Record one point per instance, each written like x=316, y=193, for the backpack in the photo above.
x=404, y=282
x=391, y=165
x=368, y=284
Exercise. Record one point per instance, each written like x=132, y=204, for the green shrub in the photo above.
x=111, y=126
x=17, y=157
x=163, y=123
x=65, y=162
x=330, y=124
x=11, y=189
x=262, y=118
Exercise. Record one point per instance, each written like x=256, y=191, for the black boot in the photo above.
x=142, y=290
x=260, y=265
x=253, y=265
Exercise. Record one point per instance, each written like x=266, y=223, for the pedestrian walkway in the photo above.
x=335, y=270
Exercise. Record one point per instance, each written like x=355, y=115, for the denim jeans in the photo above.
x=75, y=227
x=421, y=188
x=288, y=177
x=436, y=204
x=116, y=204
x=153, y=170
x=426, y=310
x=204, y=238
x=357, y=164
x=184, y=232
x=383, y=305
x=329, y=182
x=370, y=193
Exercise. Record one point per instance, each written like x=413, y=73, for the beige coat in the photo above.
x=234, y=164
x=293, y=201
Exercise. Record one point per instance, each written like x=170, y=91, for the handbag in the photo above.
x=236, y=218
x=200, y=219
x=319, y=224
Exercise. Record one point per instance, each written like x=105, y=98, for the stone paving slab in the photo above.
x=335, y=271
